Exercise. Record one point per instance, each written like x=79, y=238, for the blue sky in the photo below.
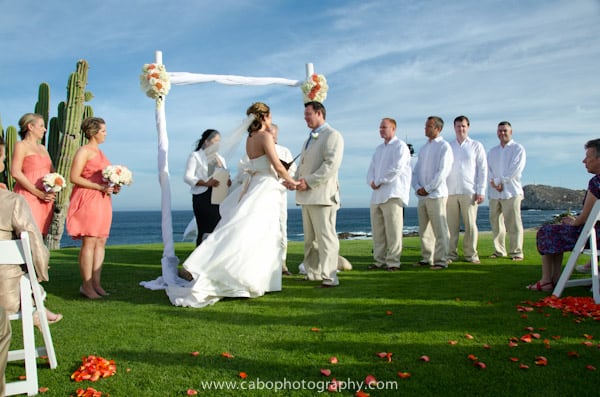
x=534, y=63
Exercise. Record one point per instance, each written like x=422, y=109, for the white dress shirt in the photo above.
x=390, y=168
x=468, y=174
x=505, y=165
x=432, y=168
x=197, y=169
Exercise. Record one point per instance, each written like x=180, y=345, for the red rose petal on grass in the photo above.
x=523, y=366
x=370, y=380
x=22, y=377
x=469, y=336
x=486, y=346
x=361, y=393
x=381, y=354
x=472, y=357
x=191, y=392
x=243, y=375
x=479, y=364
x=325, y=372
x=526, y=338
x=452, y=342
x=572, y=354
x=195, y=354
x=514, y=359
x=43, y=389
x=334, y=385
x=530, y=329
x=389, y=312
x=536, y=335
x=512, y=344
x=586, y=336
x=227, y=355
x=590, y=367
x=587, y=343
x=524, y=316
x=541, y=361
x=424, y=358
x=389, y=357
x=556, y=337
x=315, y=329
x=404, y=375
x=333, y=360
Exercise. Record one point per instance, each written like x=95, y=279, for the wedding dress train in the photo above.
x=242, y=257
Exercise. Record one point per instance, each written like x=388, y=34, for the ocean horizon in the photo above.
x=144, y=227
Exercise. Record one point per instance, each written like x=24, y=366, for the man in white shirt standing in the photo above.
x=429, y=181
x=505, y=165
x=466, y=190
x=389, y=177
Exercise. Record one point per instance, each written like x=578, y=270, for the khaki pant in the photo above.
x=321, y=243
x=462, y=206
x=387, y=224
x=5, y=334
x=505, y=216
x=433, y=229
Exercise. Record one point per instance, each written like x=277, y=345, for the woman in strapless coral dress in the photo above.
x=30, y=163
x=90, y=209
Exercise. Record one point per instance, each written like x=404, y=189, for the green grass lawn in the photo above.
x=284, y=339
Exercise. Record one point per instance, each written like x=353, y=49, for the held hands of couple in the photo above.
x=296, y=185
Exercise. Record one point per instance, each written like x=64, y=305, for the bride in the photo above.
x=242, y=257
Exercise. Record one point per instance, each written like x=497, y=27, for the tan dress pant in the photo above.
x=462, y=206
x=433, y=230
x=505, y=216
x=387, y=224
x=321, y=243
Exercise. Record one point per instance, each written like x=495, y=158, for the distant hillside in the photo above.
x=542, y=197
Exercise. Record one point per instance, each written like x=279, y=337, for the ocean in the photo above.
x=144, y=227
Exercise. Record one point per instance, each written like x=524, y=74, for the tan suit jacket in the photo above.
x=319, y=165
x=16, y=217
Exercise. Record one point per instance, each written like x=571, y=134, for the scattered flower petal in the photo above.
x=195, y=354
x=586, y=336
x=315, y=329
x=361, y=393
x=541, y=361
x=514, y=359
x=243, y=375
x=424, y=358
x=525, y=338
x=370, y=380
x=389, y=357
x=227, y=355
x=556, y=337
x=472, y=357
x=191, y=392
x=389, y=312
x=587, y=343
x=94, y=368
x=590, y=367
x=381, y=354
x=404, y=375
x=523, y=366
x=325, y=372
x=469, y=336
x=530, y=329
x=333, y=360
x=43, y=389
x=573, y=354
x=512, y=344
x=486, y=346
x=479, y=364
x=452, y=342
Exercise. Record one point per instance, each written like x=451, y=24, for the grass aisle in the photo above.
x=286, y=338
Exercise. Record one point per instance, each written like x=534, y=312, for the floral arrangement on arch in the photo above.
x=117, y=175
x=155, y=80
x=315, y=88
x=53, y=182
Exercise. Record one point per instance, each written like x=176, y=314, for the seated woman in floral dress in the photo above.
x=554, y=240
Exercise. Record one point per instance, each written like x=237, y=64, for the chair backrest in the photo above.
x=18, y=252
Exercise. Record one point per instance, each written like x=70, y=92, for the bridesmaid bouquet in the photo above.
x=53, y=182
x=117, y=175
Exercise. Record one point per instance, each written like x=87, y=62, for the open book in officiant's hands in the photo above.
x=220, y=192
x=287, y=165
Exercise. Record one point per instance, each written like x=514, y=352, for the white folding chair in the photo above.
x=588, y=234
x=17, y=252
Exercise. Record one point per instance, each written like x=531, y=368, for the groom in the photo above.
x=318, y=194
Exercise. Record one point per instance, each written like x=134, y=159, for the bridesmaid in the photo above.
x=30, y=163
x=90, y=211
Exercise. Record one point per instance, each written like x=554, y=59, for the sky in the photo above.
x=534, y=63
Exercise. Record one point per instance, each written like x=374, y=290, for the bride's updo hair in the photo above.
x=260, y=111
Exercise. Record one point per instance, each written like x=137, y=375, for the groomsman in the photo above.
x=506, y=163
x=466, y=190
x=319, y=195
x=389, y=178
x=429, y=181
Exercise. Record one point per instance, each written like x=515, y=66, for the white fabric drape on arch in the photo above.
x=169, y=261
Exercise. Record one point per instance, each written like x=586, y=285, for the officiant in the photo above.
x=202, y=167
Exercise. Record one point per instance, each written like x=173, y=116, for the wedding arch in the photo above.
x=156, y=82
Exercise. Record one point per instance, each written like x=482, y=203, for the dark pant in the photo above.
x=207, y=214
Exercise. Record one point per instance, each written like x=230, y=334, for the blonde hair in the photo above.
x=260, y=111
x=24, y=122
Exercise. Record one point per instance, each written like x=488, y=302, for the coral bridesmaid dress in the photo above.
x=90, y=210
x=35, y=167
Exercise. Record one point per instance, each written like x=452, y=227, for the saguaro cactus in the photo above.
x=42, y=107
x=70, y=116
x=10, y=138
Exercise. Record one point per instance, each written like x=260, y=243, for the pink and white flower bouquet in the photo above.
x=53, y=182
x=117, y=175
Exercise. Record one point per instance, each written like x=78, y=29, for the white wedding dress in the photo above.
x=242, y=257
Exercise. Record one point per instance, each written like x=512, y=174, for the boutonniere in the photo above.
x=314, y=135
